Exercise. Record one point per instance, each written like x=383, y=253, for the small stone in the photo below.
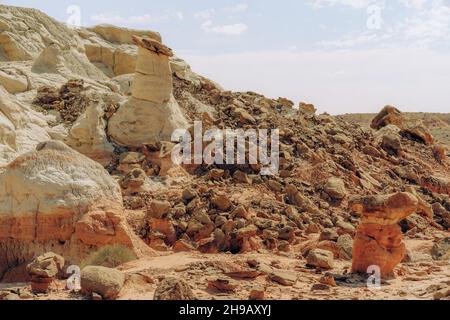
x=329, y=234
x=173, y=289
x=159, y=209
x=131, y=158
x=222, y=285
x=274, y=185
x=285, y=278
x=257, y=293
x=441, y=249
x=321, y=259
x=221, y=202
x=391, y=144
x=320, y=287
x=242, y=177
x=189, y=194
x=182, y=246
x=95, y=296
x=240, y=212
x=335, y=188
x=216, y=174
x=328, y=279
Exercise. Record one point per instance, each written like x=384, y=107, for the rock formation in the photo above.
x=152, y=113
x=379, y=239
x=414, y=129
x=43, y=270
x=104, y=281
x=56, y=198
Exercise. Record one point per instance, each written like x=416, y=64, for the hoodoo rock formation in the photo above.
x=379, y=239
x=152, y=113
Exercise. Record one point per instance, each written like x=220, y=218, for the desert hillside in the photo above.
x=87, y=182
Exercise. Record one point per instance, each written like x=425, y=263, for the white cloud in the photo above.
x=428, y=25
x=239, y=8
x=228, y=29
x=337, y=81
x=413, y=4
x=204, y=14
x=113, y=18
x=331, y=3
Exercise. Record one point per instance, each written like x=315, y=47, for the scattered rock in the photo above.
x=222, y=285
x=389, y=115
x=441, y=249
x=321, y=259
x=328, y=279
x=257, y=293
x=221, y=202
x=173, y=289
x=335, y=188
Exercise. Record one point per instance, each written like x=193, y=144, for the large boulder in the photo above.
x=88, y=136
x=389, y=115
x=55, y=199
x=48, y=265
x=104, y=281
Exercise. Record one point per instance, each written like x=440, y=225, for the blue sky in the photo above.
x=342, y=55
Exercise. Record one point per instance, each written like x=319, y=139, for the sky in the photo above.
x=344, y=56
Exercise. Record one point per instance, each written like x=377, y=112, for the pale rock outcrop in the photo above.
x=56, y=199
x=122, y=35
x=152, y=113
x=183, y=70
x=67, y=62
x=87, y=135
x=13, y=80
x=112, y=48
x=21, y=127
x=25, y=33
x=379, y=239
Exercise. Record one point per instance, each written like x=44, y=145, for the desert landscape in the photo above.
x=93, y=207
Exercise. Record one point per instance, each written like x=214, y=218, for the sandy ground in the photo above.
x=420, y=278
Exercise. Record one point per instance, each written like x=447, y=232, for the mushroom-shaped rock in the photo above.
x=43, y=270
x=379, y=240
x=152, y=113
